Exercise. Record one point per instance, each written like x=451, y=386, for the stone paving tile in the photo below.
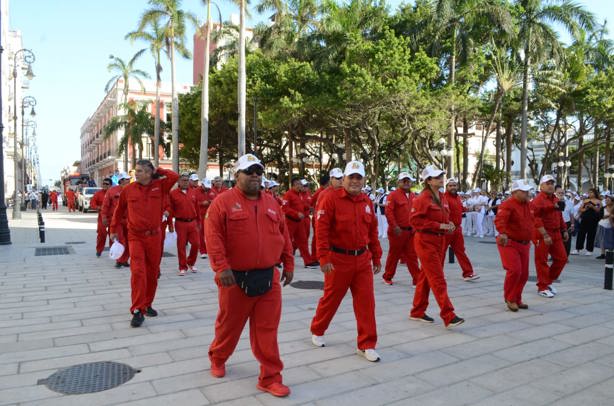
x=517, y=374
x=184, y=398
x=113, y=396
x=462, y=393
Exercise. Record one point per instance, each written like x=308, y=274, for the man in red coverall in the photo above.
x=70, y=199
x=430, y=216
x=400, y=232
x=53, y=196
x=335, y=182
x=550, y=234
x=142, y=203
x=515, y=223
x=246, y=234
x=202, y=203
x=184, y=210
x=456, y=239
x=296, y=208
x=111, y=198
x=96, y=202
x=324, y=183
x=350, y=255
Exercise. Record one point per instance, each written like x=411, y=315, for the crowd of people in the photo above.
x=251, y=231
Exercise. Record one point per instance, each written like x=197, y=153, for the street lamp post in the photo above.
x=26, y=139
x=29, y=58
x=5, y=233
x=563, y=164
x=26, y=102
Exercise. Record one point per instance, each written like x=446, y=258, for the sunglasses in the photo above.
x=106, y=184
x=257, y=169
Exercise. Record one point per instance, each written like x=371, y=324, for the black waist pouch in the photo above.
x=255, y=282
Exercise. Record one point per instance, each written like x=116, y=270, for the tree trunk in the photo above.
x=290, y=160
x=485, y=135
x=348, y=146
x=498, y=146
x=580, y=153
x=156, y=141
x=203, y=155
x=242, y=80
x=525, y=109
x=509, y=145
x=465, y=152
x=606, y=157
x=175, y=115
x=450, y=166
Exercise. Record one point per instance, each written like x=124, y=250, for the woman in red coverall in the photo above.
x=430, y=217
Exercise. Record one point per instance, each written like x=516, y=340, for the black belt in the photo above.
x=353, y=253
x=295, y=220
x=406, y=228
x=184, y=220
x=523, y=242
x=430, y=232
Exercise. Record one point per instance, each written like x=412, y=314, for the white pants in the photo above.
x=479, y=224
x=489, y=224
x=470, y=222
x=382, y=225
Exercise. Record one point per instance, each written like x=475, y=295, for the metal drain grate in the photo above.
x=89, y=378
x=308, y=285
x=45, y=251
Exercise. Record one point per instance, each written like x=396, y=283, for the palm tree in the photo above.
x=125, y=71
x=156, y=39
x=539, y=39
x=242, y=91
x=174, y=22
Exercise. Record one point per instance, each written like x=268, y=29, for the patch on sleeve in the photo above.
x=320, y=214
x=368, y=209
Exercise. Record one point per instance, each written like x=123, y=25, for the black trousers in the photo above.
x=568, y=242
x=588, y=230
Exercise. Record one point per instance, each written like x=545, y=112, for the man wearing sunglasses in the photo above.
x=246, y=237
x=102, y=231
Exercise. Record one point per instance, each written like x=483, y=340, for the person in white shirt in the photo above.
x=380, y=207
x=472, y=214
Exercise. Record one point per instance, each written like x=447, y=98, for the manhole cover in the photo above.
x=39, y=252
x=89, y=378
x=74, y=242
x=487, y=242
x=308, y=285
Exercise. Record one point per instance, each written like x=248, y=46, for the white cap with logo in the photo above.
x=547, y=178
x=354, y=167
x=336, y=173
x=246, y=161
x=520, y=184
x=194, y=177
x=431, y=171
x=452, y=180
x=405, y=175
x=123, y=176
x=207, y=183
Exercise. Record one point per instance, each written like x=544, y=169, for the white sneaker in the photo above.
x=318, y=341
x=193, y=269
x=181, y=272
x=545, y=293
x=552, y=289
x=370, y=354
x=573, y=252
x=472, y=277
x=588, y=253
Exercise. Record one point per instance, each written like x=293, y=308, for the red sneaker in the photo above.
x=218, y=372
x=276, y=389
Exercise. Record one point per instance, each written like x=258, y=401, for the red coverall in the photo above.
x=165, y=223
x=306, y=196
x=455, y=239
x=398, y=210
x=346, y=222
x=293, y=205
x=184, y=209
x=316, y=204
x=102, y=231
x=245, y=235
x=70, y=200
x=547, y=216
x=426, y=218
x=111, y=198
x=314, y=201
x=142, y=205
x=201, y=197
x=516, y=220
x=54, y=200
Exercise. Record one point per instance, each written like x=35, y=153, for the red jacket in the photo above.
x=244, y=234
x=98, y=199
x=426, y=215
x=143, y=205
x=316, y=195
x=111, y=198
x=293, y=204
x=456, y=208
x=53, y=196
x=398, y=209
x=201, y=196
x=70, y=196
x=184, y=205
x=347, y=222
x=515, y=219
x=546, y=213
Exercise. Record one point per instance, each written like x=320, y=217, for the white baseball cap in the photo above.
x=354, y=167
x=207, y=183
x=380, y=190
x=431, y=172
x=304, y=182
x=193, y=176
x=405, y=175
x=272, y=184
x=547, y=178
x=246, y=161
x=123, y=176
x=452, y=180
x=520, y=184
x=336, y=173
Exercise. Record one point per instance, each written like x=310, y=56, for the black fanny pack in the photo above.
x=255, y=282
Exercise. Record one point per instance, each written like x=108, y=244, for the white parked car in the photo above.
x=84, y=198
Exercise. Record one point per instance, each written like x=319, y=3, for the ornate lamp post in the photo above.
x=28, y=57
x=26, y=102
x=563, y=164
x=28, y=166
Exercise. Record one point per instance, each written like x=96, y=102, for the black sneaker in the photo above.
x=137, y=319
x=424, y=319
x=126, y=264
x=600, y=257
x=98, y=254
x=118, y=265
x=456, y=321
x=151, y=312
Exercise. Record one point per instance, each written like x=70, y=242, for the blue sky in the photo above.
x=72, y=41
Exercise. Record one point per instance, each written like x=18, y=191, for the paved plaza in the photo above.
x=61, y=310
